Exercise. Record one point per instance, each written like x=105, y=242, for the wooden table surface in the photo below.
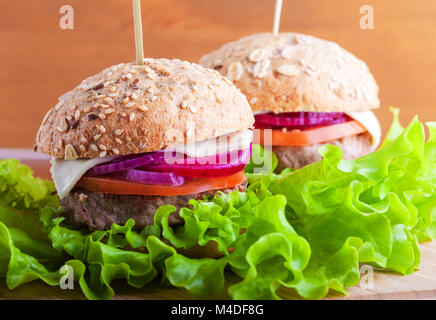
x=39, y=61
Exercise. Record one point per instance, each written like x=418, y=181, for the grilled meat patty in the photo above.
x=98, y=211
x=297, y=157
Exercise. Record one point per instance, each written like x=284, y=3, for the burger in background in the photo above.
x=307, y=91
x=133, y=138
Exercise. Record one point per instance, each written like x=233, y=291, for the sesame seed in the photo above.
x=195, y=88
x=82, y=148
x=103, y=154
x=115, y=151
x=101, y=116
x=260, y=69
x=69, y=118
x=96, y=137
x=234, y=71
x=132, y=116
x=63, y=126
x=109, y=111
x=102, y=147
x=288, y=70
x=123, y=114
x=257, y=55
x=142, y=108
x=128, y=139
x=70, y=153
x=113, y=89
x=192, y=109
x=126, y=100
x=113, y=95
x=134, y=96
x=253, y=100
x=108, y=99
x=153, y=98
x=126, y=76
x=102, y=129
x=77, y=115
x=104, y=106
x=117, y=140
x=150, y=90
x=184, y=105
x=151, y=76
x=83, y=140
x=93, y=147
x=130, y=105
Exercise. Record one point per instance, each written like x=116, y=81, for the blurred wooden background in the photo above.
x=39, y=61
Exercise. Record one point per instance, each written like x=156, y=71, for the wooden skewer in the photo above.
x=138, y=32
x=277, y=14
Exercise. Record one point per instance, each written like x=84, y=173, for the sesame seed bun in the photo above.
x=129, y=109
x=295, y=72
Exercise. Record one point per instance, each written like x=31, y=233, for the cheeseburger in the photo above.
x=304, y=92
x=133, y=138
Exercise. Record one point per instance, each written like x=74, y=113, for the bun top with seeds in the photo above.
x=129, y=109
x=294, y=72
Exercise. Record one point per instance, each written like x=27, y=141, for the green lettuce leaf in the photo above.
x=372, y=210
x=307, y=230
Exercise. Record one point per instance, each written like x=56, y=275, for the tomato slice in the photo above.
x=310, y=136
x=114, y=186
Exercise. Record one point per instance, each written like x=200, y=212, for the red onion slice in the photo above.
x=214, y=166
x=299, y=120
x=127, y=162
x=152, y=178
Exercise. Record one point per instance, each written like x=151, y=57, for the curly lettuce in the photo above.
x=306, y=230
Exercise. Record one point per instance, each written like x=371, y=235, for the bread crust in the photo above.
x=295, y=72
x=129, y=109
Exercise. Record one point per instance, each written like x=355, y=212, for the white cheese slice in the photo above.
x=366, y=118
x=66, y=173
x=230, y=142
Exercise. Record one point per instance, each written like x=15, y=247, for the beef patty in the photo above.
x=297, y=157
x=98, y=211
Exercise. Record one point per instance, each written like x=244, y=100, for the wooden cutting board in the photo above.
x=419, y=285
